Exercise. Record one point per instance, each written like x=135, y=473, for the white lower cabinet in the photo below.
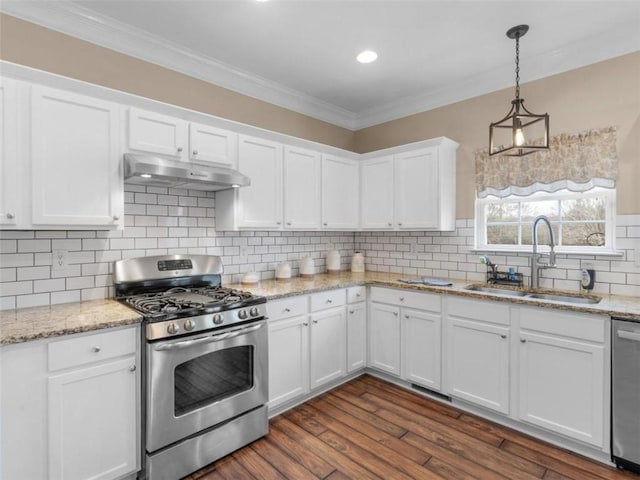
x=562, y=373
x=384, y=338
x=405, y=335
x=356, y=329
x=288, y=359
x=307, y=344
x=328, y=341
x=478, y=352
x=421, y=348
x=70, y=407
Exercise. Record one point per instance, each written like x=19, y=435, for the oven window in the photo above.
x=212, y=377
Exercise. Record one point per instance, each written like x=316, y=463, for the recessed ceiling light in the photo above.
x=367, y=56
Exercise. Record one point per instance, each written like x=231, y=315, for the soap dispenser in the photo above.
x=588, y=278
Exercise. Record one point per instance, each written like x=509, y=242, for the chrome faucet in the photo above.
x=536, y=264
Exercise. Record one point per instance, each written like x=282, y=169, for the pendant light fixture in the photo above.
x=520, y=132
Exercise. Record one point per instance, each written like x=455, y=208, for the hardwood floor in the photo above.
x=370, y=429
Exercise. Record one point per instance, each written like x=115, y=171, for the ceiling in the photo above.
x=301, y=54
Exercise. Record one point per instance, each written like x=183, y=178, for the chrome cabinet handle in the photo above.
x=132, y=368
x=325, y=224
x=288, y=223
x=96, y=349
x=195, y=152
x=116, y=218
x=358, y=295
x=278, y=223
x=329, y=300
x=406, y=315
x=179, y=149
x=634, y=336
x=352, y=312
x=402, y=299
x=389, y=224
x=10, y=216
x=523, y=340
x=315, y=321
x=395, y=314
x=287, y=310
x=399, y=224
x=503, y=336
x=306, y=324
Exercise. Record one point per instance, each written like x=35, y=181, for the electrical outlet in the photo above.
x=59, y=260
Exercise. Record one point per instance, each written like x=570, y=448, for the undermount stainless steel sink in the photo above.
x=496, y=291
x=564, y=298
x=576, y=299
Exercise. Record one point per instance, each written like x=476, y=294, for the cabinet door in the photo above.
x=92, y=422
x=260, y=204
x=478, y=363
x=562, y=386
x=356, y=336
x=155, y=133
x=384, y=338
x=213, y=145
x=328, y=344
x=421, y=348
x=76, y=177
x=376, y=195
x=9, y=161
x=301, y=188
x=340, y=197
x=288, y=359
x=417, y=190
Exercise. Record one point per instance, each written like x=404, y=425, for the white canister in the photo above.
x=307, y=267
x=283, y=271
x=333, y=261
x=357, y=263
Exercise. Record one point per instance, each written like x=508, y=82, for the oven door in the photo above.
x=196, y=382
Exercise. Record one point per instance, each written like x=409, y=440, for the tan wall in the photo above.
x=599, y=95
x=28, y=44
x=603, y=94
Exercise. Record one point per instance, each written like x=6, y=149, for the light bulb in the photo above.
x=519, y=137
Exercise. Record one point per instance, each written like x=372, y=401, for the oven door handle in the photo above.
x=210, y=339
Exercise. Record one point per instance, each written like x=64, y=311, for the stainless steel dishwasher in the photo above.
x=625, y=394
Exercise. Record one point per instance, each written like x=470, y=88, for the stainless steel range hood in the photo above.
x=161, y=172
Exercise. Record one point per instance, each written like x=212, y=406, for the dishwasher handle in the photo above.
x=627, y=335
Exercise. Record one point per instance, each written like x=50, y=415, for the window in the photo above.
x=583, y=222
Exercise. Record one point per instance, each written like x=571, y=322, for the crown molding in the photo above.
x=82, y=23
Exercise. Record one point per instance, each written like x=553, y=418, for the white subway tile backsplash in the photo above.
x=52, y=285
x=34, y=246
x=8, y=246
x=34, y=273
x=16, y=259
x=25, y=301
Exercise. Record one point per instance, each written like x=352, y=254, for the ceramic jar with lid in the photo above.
x=307, y=267
x=283, y=271
x=357, y=263
x=333, y=261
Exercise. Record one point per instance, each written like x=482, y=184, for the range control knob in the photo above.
x=173, y=328
x=242, y=314
x=189, y=324
x=254, y=311
x=217, y=319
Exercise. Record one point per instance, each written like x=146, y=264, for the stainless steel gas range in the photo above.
x=205, y=364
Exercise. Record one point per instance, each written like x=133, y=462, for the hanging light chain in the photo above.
x=517, y=67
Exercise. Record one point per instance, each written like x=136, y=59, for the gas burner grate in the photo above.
x=224, y=295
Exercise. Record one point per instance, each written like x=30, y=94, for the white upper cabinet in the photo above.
x=425, y=193
x=76, y=179
x=258, y=206
x=340, y=197
x=10, y=214
x=155, y=133
x=209, y=144
x=301, y=178
x=376, y=193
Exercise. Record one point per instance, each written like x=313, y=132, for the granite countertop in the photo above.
x=25, y=324
x=613, y=305
x=35, y=323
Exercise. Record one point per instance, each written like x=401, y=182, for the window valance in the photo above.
x=577, y=162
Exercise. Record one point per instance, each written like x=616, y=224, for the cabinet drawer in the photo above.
x=92, y=348
x=332, y=298
x=577, y=325
x=287, y=307
x=405, y=298
x=486, y=310
x=356, y=294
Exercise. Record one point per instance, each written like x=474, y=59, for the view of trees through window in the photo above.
x=576, y=221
